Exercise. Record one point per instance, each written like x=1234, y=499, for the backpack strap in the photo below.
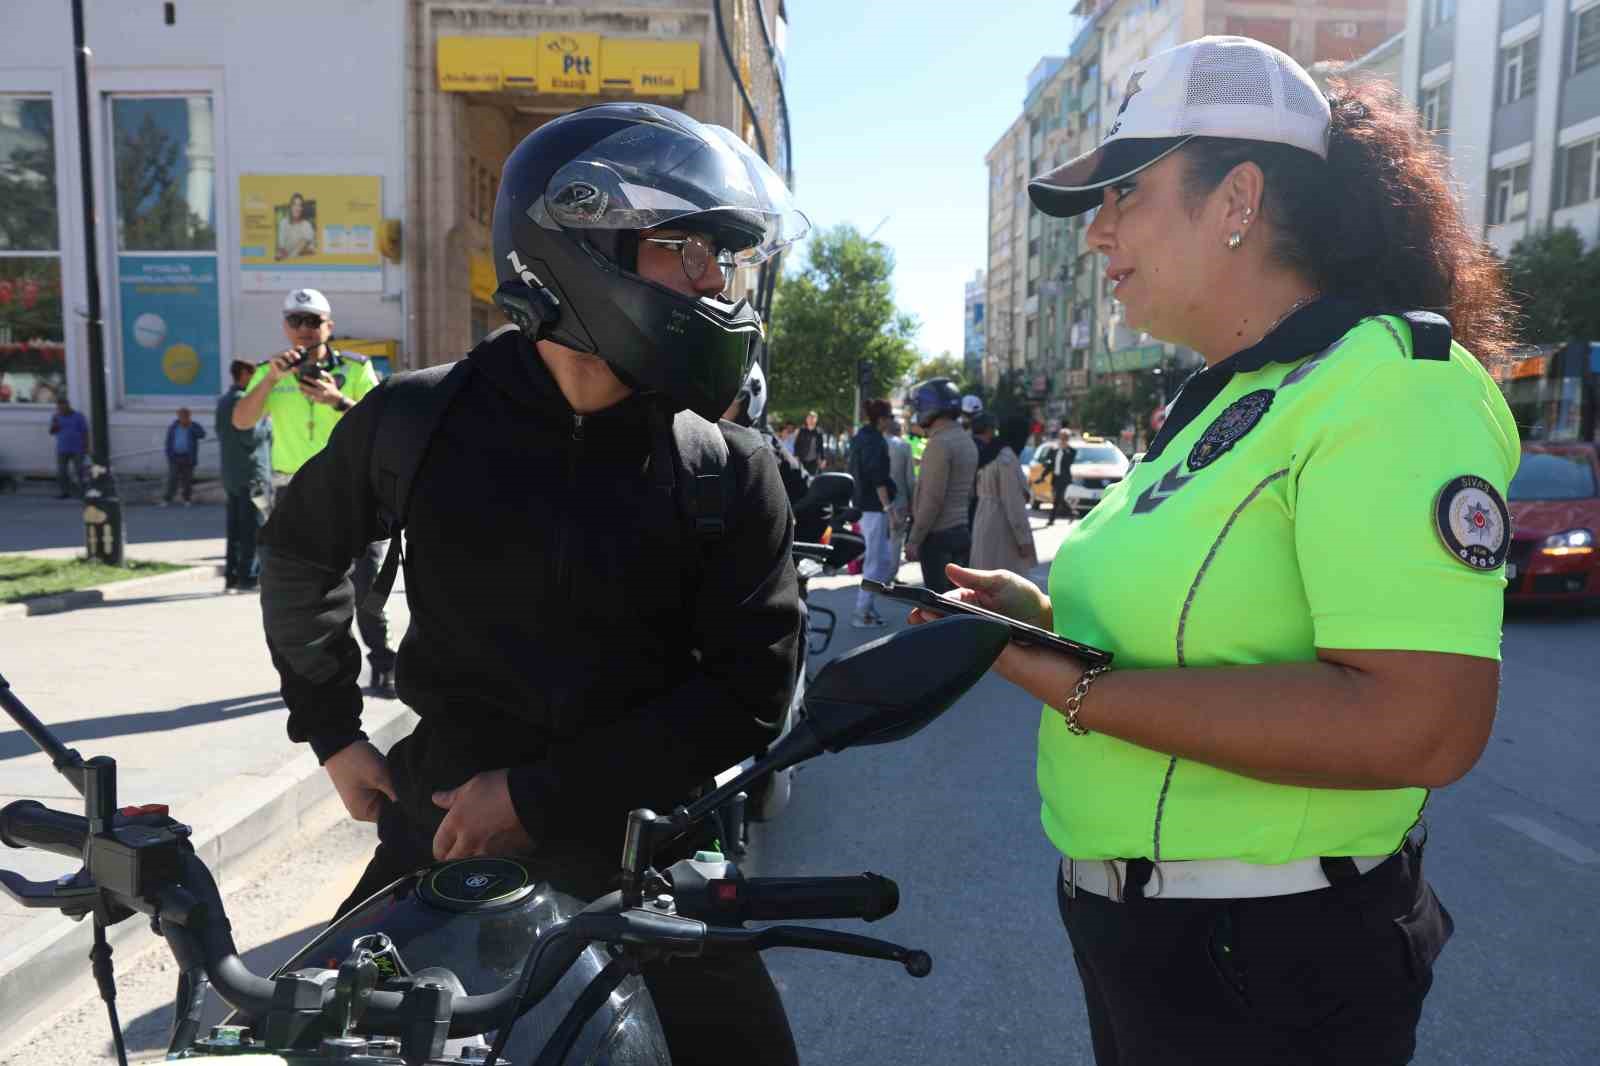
x=413, y=405
x=1430, y=335
x=705, y=488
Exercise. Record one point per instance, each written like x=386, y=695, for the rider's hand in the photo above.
x=322, y=389
x=1000, y=591
x=481, y=820
x=361, y=777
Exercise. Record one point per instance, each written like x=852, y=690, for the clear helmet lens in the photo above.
x=654, y=174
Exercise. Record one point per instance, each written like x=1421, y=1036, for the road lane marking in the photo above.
x=1549, y=838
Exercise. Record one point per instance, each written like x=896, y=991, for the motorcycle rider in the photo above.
x=939, y=532
x=568, y=658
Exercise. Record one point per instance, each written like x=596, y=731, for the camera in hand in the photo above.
x=305, y=366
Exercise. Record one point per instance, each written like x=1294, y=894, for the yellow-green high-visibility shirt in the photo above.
x=1339, y=485
x=300, y=428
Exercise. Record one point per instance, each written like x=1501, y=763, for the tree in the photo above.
x=1553, y=281
x=838, y=309
x=151, y=201
x=943, y=365
x=1104, y=411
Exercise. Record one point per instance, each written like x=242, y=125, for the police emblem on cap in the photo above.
x=1473, y=522
x=1237, y=419
x=302, y=297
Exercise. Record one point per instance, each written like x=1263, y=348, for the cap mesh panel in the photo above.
x=1229, y=75
x=1298, y=96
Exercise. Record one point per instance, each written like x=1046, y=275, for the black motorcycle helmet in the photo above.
x=935, y=397
x=575, y=196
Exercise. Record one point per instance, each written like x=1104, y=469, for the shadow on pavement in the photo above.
x=135, y=601
x=151, y=1030
x=15, y=743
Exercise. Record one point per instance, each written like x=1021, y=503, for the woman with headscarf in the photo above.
x=1002, y=538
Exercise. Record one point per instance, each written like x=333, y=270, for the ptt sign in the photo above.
x=569, y=62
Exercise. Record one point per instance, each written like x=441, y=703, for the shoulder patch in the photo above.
x=1237, y=419
x=1473, y=522
x=1430, y=335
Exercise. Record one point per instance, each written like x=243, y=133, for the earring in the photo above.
x=1247, y=213
x=1235, y=239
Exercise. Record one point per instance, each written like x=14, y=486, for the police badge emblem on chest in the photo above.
x=1237, y=419
x=1473, y=522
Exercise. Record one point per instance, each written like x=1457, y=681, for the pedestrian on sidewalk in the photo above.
x=902, y=471
x=183, y=451
x=939, y=533
x=808, y=444
x=71, y=431
x=574, y=606
x=1002, y=538
x=246, y=480
x=874, y=498
x=983, y=429
x=1060, y=475
x=306, y=390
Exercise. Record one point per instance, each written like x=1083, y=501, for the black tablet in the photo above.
x=1021, y=632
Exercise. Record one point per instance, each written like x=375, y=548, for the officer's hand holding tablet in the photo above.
x=1300, y=581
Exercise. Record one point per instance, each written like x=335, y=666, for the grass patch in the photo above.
x=26, y=577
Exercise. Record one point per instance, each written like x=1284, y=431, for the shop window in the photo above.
x=32, y=348
x=164, y=173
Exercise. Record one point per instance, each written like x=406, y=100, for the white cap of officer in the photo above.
x=307, y=301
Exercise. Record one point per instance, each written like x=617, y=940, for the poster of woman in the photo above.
x=297, y=232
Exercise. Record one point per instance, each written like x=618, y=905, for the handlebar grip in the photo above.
x=30, y=824
x=868, y=896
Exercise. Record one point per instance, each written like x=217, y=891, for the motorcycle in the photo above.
x=516, y=972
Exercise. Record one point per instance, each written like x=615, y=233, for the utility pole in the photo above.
x=102, y=509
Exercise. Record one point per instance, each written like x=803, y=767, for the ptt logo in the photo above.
x=571, y=61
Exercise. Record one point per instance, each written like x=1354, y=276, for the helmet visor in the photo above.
x=675, y=172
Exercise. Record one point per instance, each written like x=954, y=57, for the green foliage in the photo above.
x=1553, y=281
x=943, y=365
x=23, y=577
x=836, y=310
x=1104, y=411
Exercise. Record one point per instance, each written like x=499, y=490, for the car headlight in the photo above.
x=1572, y=542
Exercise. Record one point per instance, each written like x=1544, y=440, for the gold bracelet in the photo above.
x=1075, y=701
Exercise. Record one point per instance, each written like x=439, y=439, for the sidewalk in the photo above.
x=175, y=684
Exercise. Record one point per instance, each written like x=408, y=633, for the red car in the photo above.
x=1555, y=518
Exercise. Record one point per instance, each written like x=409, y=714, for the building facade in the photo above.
x=1008, y=249
x=237, y=156
x=1524, y=141
x=975, y=326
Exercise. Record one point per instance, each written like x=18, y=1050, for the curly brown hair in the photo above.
x=1378, y=222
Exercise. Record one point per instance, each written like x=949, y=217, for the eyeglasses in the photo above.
x=697, y=252
x=299, y=321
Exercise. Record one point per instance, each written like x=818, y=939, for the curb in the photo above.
x=110, y=592
x=36, y=980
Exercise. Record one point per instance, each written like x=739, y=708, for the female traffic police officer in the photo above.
x=1300, y=580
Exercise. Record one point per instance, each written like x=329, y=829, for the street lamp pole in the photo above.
x=102, y=509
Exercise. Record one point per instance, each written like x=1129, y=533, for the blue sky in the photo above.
x=892, y=105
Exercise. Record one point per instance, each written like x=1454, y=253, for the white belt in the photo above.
x=1204, y=878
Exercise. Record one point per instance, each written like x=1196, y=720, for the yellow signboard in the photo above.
x=487, y=64
x=315, y=231
x=569, y=63
x=582, y=64
x=650, y=68
x=482, y=277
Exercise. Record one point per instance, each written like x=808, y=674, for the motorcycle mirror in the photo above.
x=844, y=549
x=832, y=486
x=889, y=689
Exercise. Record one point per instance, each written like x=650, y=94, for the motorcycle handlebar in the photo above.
x=30, y=824
x=768, y=899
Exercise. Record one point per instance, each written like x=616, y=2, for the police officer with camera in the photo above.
x=305, y=390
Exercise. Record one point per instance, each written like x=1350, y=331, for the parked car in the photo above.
x=1096, y=465
x=1555, y=517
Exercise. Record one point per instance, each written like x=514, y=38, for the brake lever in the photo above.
x=74, y=895
x=917, y=963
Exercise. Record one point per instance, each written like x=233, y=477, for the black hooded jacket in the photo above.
x=563, y=623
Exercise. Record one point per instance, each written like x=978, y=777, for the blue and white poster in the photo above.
x=171, y=338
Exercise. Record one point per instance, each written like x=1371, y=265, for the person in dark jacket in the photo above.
x=808, y=444
x=874, y=493
x=574, y=652
x=183, y=451
x=246, y=481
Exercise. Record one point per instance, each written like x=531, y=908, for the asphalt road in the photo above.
x=951, y=814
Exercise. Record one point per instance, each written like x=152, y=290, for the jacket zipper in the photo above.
x=564, y=538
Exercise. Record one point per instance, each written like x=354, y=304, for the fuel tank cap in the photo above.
x=478, y=884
